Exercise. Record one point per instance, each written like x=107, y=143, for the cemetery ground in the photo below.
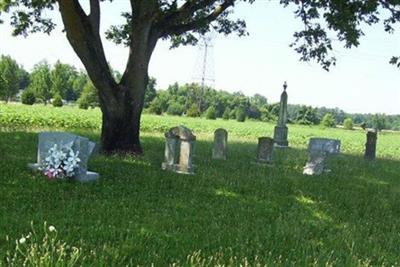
x=229, y=212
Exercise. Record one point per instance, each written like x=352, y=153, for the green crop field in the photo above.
x=230, y=213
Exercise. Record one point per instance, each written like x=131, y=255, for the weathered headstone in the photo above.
x=265, y=150
x=319, y=149
x=82, y=144
x=220, y=143
x=316, y=163
x=330, y=146
x=179, y=144
x=370, y=145
x=281, y=130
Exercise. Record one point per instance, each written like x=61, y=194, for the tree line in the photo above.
x=64, y=82
x=193, y=100
x=44, y=83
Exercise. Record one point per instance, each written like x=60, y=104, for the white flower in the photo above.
x=22, y=240
x=61, y=161
x=52, y=228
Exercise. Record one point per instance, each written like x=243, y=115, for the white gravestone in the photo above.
x=319, y=149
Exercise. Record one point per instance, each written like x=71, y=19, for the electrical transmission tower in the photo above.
x=203, y=73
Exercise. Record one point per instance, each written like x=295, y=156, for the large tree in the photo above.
x=147, y=21
x=9, y=78
x=41, y=83
x=62, y=78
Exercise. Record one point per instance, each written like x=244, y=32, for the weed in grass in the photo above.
x=42, y=249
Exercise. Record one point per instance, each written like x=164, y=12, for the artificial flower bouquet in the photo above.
x=61, y=162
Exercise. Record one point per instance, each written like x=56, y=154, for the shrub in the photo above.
x=155, y=107
x=210, y=113
x=175, y=109
x=348, y=124
x=193, y=111
x=232, y=114
x=266, y=115
x=57, y=101
x=89, y=97
x=28, y=97
x=241, y=114
x=328, y=120
x=226, y=113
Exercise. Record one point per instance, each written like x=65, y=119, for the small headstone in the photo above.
x=370, y=145
x=220, y=143
x=85, y=147
x=179, y=144
x=316, y=163
x=265, y=150
x=319, y=150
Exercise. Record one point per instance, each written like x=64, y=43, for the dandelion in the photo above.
x=22, y=240
x=52, y=228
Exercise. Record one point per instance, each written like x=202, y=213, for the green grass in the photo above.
x=230, y=212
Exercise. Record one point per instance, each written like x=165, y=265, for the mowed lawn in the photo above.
x=229, y=213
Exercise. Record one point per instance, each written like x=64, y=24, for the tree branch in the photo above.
x=176, y=29
x=94, y=15
x=86, y=42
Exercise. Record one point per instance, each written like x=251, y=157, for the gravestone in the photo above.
x=220, y=143
x=281, y=130
x=178, y=155
x=319, y=150
x=82, y=144
x=316, y=163
x=265, y=150
x=370, y=145
x=330, y=146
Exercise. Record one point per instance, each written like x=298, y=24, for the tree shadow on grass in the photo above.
x=349, y=216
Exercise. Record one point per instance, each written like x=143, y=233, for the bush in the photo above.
x=210, y=113
x=232, y=114
x=28, y=97
x=193, y=111
x=155, y=107
x=241, y=114
x=266, y=115
x=57, y=101
x=348, y=124
x=175, y=109
x=226, y=113
x=328, y=120
x=89, y=97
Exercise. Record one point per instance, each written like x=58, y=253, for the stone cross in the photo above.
x=82, y=144
x=265, y=150
x=281, y=130
x=178, y=155
x=370, y=145
x=319, y=149
x=220, y=143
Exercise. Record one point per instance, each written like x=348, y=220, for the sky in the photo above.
x=362, y=81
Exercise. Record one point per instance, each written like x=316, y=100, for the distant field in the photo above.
x=71, y=118
x=229, y=213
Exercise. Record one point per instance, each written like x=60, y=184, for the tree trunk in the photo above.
x=120, y=131
x=121, y=103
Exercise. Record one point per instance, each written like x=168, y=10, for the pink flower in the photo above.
x=50, y=175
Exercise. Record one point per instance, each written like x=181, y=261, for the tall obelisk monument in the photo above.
x=281, y=130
